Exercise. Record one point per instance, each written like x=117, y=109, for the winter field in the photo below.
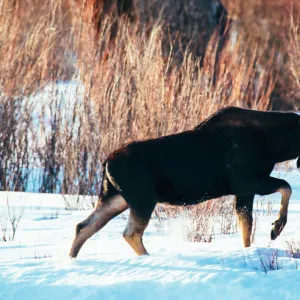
x=35, y=265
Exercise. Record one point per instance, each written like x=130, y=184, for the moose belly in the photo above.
x=189, y=193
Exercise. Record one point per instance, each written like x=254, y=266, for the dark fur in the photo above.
x=231, y=153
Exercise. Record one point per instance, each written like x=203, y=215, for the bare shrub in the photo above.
x=79, y=202
x=263, y=206
x=14, y=217
x=201, y=222
x=159, y=219
x=268, y=258
x=10, y=219
x=15, y=136
x=214, y=217
x=294, y=248
x=226, y=216
x=286, y=166
x=39, y=254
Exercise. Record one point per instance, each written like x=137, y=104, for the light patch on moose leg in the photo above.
x=279, y=224
x=106, y=210
x=245, y=223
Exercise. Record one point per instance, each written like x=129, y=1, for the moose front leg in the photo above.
x=279, y=224
x=265, y=186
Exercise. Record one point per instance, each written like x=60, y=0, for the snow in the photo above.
x=36, y=264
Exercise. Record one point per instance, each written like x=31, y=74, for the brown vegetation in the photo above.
x=201, y=222
x=137, y=92
x=44, y=41
x=35, y=44
x=211, y=218
x=275, y=24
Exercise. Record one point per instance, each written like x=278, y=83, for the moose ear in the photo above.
x=298, y=163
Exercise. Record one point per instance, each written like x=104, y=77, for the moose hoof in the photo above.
x=274, y=235
x=278, y=227
x=72, y=255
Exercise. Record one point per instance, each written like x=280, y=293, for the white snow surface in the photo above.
x=36, y=264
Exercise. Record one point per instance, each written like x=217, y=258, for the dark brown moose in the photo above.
x=232, y=152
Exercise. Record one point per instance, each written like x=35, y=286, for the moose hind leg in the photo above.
x=106, y=209
x=133, y=233
x=244, y=208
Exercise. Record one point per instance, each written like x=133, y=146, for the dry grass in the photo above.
x=294, y=56
x=269, y=259
x=293, y=248
x=132, y=90
x=201, y=222
x=274, y=23
x=142, y=94
x=36, y=43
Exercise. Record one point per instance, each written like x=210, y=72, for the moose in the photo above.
x=232, y=152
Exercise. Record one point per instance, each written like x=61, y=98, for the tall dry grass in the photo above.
x=36, y=44
x=294, y=55
x=270, y=22
x=128, y=88
x=141, y=93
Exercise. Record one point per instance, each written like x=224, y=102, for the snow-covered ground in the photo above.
x=36, y=264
